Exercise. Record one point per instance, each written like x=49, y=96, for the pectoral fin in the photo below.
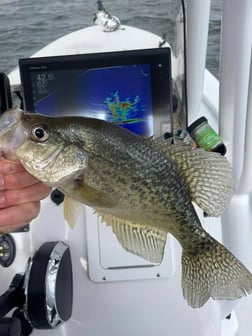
x=139, y=239
x=72, y=209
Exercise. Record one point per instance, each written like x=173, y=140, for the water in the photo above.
x=213, y=50
x=28, y=25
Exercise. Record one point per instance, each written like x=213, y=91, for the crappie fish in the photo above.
x=143, y=188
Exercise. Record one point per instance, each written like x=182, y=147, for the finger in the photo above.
x=17, y=180
x=33, y=193
x=9, y=167
x=11, y=228
x=18, y=216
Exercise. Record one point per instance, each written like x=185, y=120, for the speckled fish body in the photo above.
x=143, y=188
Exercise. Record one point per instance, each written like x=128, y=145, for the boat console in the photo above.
x=130, y=88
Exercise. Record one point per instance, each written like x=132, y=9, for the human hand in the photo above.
x=20, y=195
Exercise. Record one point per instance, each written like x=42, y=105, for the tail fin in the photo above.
x=213, y=272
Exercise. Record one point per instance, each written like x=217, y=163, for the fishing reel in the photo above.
x=42, y=296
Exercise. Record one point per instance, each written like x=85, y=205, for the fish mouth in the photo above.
x=9, y=119
x=12, y=134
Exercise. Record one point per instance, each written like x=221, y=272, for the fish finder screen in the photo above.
x=120, y=94
x=129, y=91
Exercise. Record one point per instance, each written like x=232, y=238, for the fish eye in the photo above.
x=40, y=133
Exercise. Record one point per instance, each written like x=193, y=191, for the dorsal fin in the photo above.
x=208, y=174
x=139, y=239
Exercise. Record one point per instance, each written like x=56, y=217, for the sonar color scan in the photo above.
x=120, y=94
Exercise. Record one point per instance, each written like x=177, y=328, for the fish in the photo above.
x=143, y=188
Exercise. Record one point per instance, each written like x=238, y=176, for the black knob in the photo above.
x=7, y=250
x=57, y=196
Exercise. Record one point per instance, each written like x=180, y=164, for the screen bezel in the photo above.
x=161, y=77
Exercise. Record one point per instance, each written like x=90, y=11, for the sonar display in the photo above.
x=118, y=94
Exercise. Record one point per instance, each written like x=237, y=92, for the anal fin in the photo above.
x=142, y=240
